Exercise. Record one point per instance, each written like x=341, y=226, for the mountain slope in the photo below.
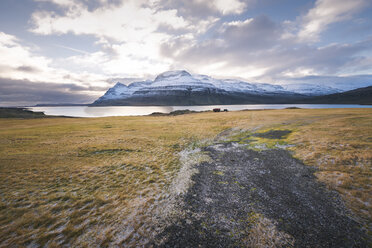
x=311, y=89
x=182, y=88
x=357, y=96
x=199, y=98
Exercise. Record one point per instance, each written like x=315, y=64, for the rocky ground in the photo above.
x=247, y=197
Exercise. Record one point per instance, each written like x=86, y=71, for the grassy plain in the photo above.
x=91, y=182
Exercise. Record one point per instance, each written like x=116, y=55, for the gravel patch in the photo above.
x=248, y=198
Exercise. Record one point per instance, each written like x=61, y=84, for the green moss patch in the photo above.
x=273, y=134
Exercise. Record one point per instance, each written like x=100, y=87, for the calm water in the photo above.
x=84, y=111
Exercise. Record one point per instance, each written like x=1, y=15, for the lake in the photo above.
x=85, y=111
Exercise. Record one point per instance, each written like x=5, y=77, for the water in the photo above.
x=85, y=111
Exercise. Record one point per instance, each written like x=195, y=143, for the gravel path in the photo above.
x=247, y=198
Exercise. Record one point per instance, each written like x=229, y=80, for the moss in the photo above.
x=239, y=185
x=219, y=173
x=204, y=225
x=262, y=139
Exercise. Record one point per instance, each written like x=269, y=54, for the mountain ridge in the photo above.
x=182, y=88
x=356, y=96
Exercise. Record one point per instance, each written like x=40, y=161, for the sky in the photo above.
x=72, y=51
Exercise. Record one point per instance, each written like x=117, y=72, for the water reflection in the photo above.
x=84, y=111
x=124, y=110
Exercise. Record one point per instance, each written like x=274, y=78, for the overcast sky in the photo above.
x=71, y=50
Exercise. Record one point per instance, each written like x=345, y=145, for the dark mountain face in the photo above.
x=184, y=98
x=357, y=96
x=213, y=97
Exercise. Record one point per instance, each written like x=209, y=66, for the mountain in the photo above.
x=357, y=96
x=311, y=89
x=182, y=88
x=340, y=83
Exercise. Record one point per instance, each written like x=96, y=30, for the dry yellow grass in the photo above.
x=264, y=234
x=342, y=150
x=91, y=182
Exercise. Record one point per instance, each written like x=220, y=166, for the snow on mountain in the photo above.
x=123, y=91
x=311, y=89
x=178, y=76
x=181, y=80
x=321, y=85
x=178, y=80
x=232, y=85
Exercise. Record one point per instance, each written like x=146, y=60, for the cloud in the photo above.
x=233, y=49
x=16, y=57
x=27, y=69
x=90, y=4
x=229, y=6
x=242, y=37
x=255, y=49
x=326, y=12
x=129, y=34
x=202, y=9
x=224, y=7
x=59, y=2
x=18, y=61
x=130, y=22
x=342, y=82
x=126, y=81
x=251, y=34
x=123, y=60
x=28, y=78
x=24, y=92
x=72, y=49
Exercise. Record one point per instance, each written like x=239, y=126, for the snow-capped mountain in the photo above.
x=123, y=91
x=311, y=89
x=182, y=88
x=184, y=81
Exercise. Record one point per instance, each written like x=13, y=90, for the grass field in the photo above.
x=93, y=182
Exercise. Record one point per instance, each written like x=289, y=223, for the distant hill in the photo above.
x=23, y=113
x=357, y=96
x=20, y=113
x=61, y=105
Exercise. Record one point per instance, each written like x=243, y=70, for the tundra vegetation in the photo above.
x=94, y=181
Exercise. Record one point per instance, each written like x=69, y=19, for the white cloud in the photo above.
x=14, y=55
x=130, y=22
x=139, y=38
x=18, y=62
x=130, y=35
x=299, y=72
x=130, y=60
x=257, y=49
x=325, y=13
x=59, y=2
x=229, y=6
x=237, y=23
